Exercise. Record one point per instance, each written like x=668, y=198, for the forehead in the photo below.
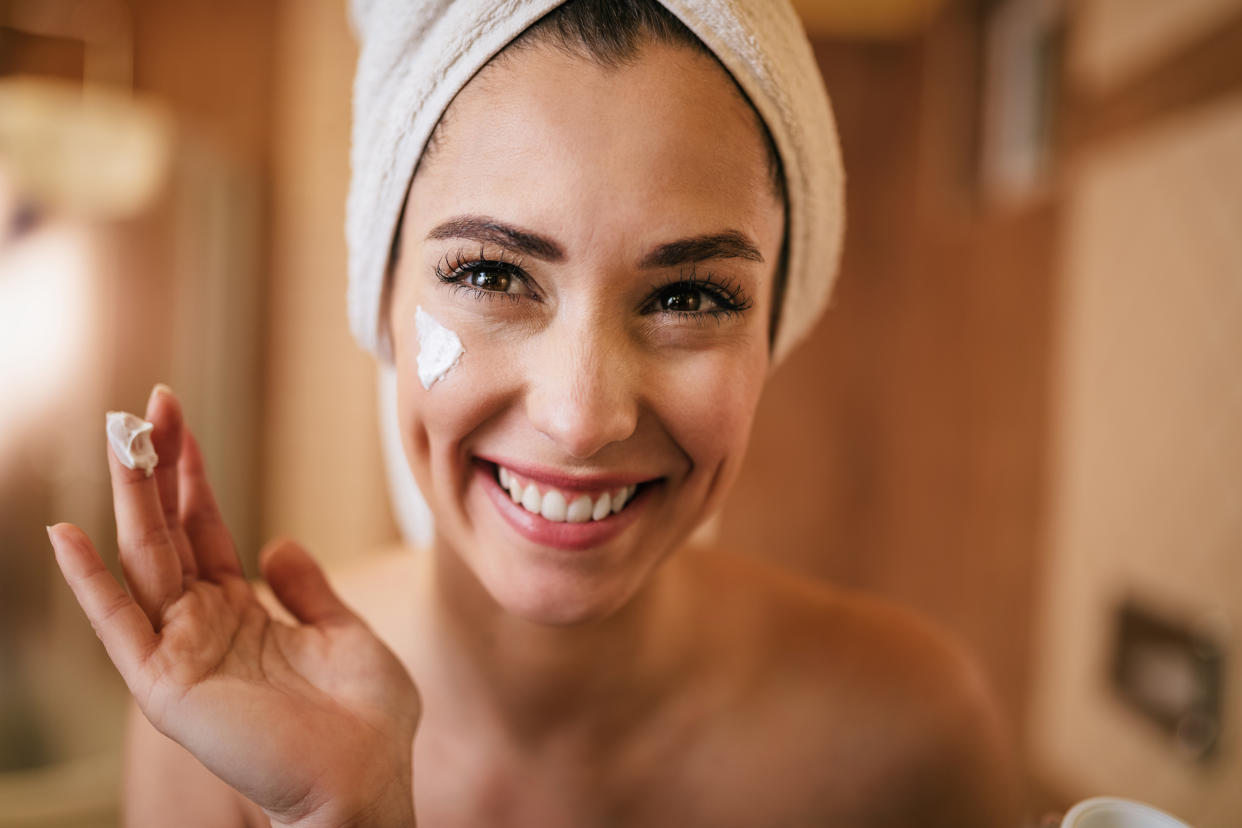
x=548, y=133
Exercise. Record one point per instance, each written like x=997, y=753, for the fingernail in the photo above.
x=49, y=533
x=161, y=388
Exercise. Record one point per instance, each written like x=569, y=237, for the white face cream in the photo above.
x=438, y=348
x=130, y=437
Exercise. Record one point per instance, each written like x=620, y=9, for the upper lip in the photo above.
x=565, y=481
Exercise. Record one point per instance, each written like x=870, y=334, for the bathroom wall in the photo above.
x=1147, y=455
x=1148, y=485
x=323, y=480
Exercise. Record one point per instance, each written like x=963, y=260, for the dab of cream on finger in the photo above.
x=130, y=438
x=439, y=349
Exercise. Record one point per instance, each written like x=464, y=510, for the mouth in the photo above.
x=564, y=505
x=564, y=511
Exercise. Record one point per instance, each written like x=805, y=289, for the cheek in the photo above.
x=708, y=401
x=436, y=420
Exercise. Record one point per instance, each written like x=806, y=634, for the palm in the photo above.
x=312, y=720
x=298, y=703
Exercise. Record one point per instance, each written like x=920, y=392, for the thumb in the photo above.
x=299, y=584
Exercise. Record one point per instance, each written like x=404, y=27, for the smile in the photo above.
x=564, y=511
x=560, y=506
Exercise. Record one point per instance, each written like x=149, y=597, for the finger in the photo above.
x=148, y=557
x=119, y=622
x=164, y=412
x=200, y=516
x=300, y=585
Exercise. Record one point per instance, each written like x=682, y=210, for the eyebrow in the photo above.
x=485, y=229
x=727, y=244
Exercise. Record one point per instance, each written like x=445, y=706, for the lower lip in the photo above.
x=570, y=536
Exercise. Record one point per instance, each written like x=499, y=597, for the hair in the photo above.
x=611, y=34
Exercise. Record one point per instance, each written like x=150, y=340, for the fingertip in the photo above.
x=273, y=551
x=164, y=410
x=61, y=533
x=161, y=392
x=72, y=548
x=299, y=583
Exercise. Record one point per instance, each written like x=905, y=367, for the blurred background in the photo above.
x=1022, y=414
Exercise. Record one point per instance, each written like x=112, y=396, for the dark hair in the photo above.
x=611, y=34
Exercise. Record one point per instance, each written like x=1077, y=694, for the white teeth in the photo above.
x=553, y=508
x=531, y=499
x=553, y=505
x=580, y=510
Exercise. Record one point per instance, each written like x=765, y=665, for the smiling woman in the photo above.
x=614, y=243
x=579, y=287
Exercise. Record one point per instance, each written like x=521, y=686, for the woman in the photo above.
x=584, y=303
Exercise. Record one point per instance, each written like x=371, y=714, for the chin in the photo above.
x=550, y=596
x=545, y=574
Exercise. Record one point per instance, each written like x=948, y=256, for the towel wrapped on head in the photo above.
x=416, y=55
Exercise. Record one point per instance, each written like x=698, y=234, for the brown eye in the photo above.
x=493, y=280
x=686, y=300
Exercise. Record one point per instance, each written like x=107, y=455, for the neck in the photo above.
x=586, y=683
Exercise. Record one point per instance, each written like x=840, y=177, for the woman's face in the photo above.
x=603, y=243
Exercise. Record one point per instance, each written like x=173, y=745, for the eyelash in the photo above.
x=725, y=293
x=455, y=267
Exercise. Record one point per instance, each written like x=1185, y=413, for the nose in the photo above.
x=580, y=393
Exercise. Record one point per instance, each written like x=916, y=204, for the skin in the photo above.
x=638, y=682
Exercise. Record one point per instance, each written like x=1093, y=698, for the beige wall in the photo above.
x=323, y=480
x=1116, y=41
x=1147, y=499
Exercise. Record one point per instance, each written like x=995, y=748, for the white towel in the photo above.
x=415, y=55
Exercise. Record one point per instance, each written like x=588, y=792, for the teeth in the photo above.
x=580, y=510
x=553, y=508
x=532, y=501
x=552, y=505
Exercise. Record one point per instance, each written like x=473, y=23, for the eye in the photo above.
x=494, y=280
x=683, y=298
x=699, y=297
x=484, y=278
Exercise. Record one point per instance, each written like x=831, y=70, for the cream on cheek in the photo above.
x=439, y=349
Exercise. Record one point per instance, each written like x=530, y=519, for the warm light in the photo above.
x=45, y=323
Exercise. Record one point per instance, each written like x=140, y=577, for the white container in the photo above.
x=1111, y=812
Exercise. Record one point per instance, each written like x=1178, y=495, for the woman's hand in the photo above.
x=313, y=722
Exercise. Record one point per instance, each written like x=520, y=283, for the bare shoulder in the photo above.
x=874, y=698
